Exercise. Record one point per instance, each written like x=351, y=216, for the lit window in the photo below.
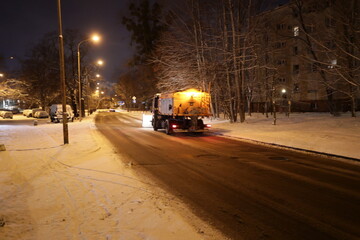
x=296, y=31
x=333, y=63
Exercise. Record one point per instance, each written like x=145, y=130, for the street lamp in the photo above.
x=1, y=75
x=100, y=62
x=95, y=38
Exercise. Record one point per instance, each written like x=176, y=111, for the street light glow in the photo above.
x=1, y=75
x=283, y=90
x=100, y=62
x=97, y=75
x=95, y=38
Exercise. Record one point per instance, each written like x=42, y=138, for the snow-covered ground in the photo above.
x=83, y=190
x=318, y=132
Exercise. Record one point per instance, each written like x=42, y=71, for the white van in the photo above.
x=56, y=113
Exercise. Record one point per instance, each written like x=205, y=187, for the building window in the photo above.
x=295, y=13
x=296, y=88
x=330, y=45
x=313, y=67
x=311, y=28
x=296, y=30
x=296, y=50
x=280, y=44
x=281, y=80
x=296, y=69
x=333, y=63
x=281, y=62
x=330, y=22
x=329, y=3
x=280, y=26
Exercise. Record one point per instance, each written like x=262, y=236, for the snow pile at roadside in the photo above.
x=80, y=191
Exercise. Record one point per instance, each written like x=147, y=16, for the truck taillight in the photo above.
x=208, y=125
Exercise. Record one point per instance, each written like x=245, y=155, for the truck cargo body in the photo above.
x=181, y=111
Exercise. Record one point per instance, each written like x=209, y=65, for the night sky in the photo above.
x=24, y=22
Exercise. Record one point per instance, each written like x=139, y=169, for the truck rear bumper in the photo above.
x=190, y=130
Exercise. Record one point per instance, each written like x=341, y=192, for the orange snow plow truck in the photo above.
x=181, y=111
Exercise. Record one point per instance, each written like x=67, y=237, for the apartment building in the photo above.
x=303, y=57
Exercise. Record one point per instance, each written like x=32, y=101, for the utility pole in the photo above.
x=62, y=76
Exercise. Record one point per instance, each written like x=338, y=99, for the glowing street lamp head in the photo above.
x=1, y=75
x=283, y=90
x=95, y=38
x=100, y=62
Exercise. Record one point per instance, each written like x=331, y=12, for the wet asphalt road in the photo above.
x=247, y=191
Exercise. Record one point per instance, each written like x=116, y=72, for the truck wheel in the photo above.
x=168, y=129
x=153, y=122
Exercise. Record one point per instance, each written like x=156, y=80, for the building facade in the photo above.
x=308, y=55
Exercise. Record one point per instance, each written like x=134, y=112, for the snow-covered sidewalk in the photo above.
x=318, y=132
x=81, y=190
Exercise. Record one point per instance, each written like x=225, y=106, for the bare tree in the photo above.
x=40, y=71
x=13, y=89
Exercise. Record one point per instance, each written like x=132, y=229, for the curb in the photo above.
x=292, y=148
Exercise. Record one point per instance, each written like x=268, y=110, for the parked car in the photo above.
x=56, y=113
x=32, y=112
x=15, y=110
x=6, y=114
x=41, y=114
x=26, y=111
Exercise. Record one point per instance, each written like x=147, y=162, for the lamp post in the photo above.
x=94, y=38
x=62, y=75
